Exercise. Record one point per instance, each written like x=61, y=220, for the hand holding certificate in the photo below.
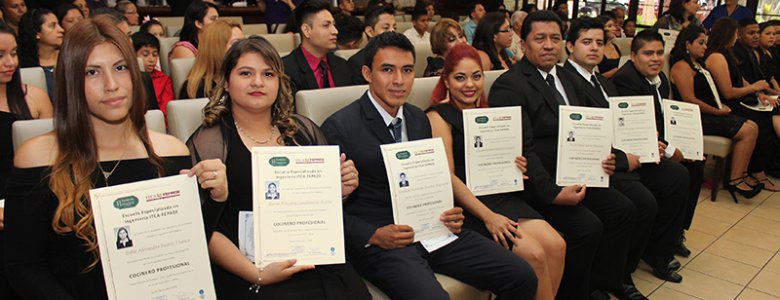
x=420, y=188
x=297, y=205
x=151, y=240
x=584, y=141
x=633, y=120
x=493, y=139
x=682, y=128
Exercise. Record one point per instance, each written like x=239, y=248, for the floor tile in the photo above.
x=744, y=205
x=760, y=224
x=767, y=282
x=751, y=294
x=704, y=286
x=646, y=287
x=645, y=273
x=717, y=212
x=773, y=265
x=723, y=268
x=747, y=254
x=665, y=293
x=769, y=210
x=710, y=225
x=697, y=240
x=752, y=237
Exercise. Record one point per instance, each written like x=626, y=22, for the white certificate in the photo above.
x=584, y=140
x=633, y=120
x=420, y=186
x=297, y=205
x=151, y=240
x=682, y=128
x=493, y=138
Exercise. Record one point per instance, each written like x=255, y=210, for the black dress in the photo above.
x=511, y=205
x=43, y=264
x=6, y=151
x=725, y=126
x=324, y=282
x=607, y=64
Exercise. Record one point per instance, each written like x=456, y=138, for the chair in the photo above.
x=166, y=44
x=665, y=67
x=171, y=21
x=250, y=29
x=718, y=148
x=237, y=19
x=456, y=289
x=34, y=76
x=623, y=60
x=422, y=52
x=134, y=29
x=624, y=45
x=318, y=105
x=185, y=116
x=422, y=89
x=346, y=54
x=401, y=27
x=490, y=77
x=27, y=129
x=170, y=31
x=180, y=68
x=283, y=42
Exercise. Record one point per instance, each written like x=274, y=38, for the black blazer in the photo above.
x=748, y=63
x=302, y=76
x=595, y=98
x=522, y=85
x=630, y=82
x=356, y=62
x=359, y=130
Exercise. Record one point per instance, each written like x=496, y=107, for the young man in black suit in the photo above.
x=744, y=50
x=642, y=75
x=379, y=19
x=597, y=223
x=381, y=251
x=312, y=65
x=659, y=188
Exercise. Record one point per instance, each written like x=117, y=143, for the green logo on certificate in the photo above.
x=481, y=119
x=623, y=104
x=675, y=107
x=403, y=155
x=575, y=117
x=279, y=161
x=126, y=202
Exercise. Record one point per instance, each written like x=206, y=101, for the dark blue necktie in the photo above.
x=395, y=128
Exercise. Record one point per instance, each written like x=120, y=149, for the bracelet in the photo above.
x=256, y=286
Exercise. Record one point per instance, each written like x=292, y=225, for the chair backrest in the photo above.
x=27, y=129
x=665, y=67
x=623, y=60
x=34, y=76
x=624, y=45
x=422, y=89
x=134, y=29
x=283, y=42
x=171, y=21
x=346, y=54
x=250, y=29
x=184, y=116
x=237, y=19
x=318, y=105
x=401, y=27
x=180, y=68
x=172, y=30
x=422, y=52
x=490, y=77
x=166, y=44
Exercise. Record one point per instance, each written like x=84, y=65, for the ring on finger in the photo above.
x=214, y=173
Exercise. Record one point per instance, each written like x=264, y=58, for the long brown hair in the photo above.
x=281, y=111
x=77, y=158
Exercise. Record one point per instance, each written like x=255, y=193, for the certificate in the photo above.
x=633, y=120
x=493, y=138
x=151, y=240
x=296, y=195
x=420, y=186
x=682, y=128
x=584, y=140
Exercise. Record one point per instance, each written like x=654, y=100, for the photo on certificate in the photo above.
x=123, y=237
x=493, y=138
x=403, y=181
x=584, y=140
x=272, y=190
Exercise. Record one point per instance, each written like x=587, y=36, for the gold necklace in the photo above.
x=108, y=174
x=273, y=129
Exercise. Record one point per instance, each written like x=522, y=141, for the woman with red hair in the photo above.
x=506, y=218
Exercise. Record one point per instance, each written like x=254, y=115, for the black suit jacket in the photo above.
x=748, y=63
x=302, y=76
x=356, y=62
x=523, y=85
x=359, y=130
x=595, y=98
x=630, y=82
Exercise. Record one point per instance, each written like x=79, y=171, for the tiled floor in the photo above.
x=736, y=252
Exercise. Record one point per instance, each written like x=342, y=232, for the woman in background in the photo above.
x=217, y=38
x=198, y=16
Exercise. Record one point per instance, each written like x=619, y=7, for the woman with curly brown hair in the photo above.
x=251, y=106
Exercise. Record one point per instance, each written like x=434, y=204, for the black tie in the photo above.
x=324, y=70
x=595, y=82
x=551, y=82
x=395, y=127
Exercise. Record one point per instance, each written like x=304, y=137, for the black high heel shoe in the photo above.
x=732, y=188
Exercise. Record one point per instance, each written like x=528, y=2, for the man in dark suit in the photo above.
x=597, y=225
x=311, y=65
x=659, y=191
x=381, y=251
x=379, y=19
x=744, y=52
x=642, y=75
